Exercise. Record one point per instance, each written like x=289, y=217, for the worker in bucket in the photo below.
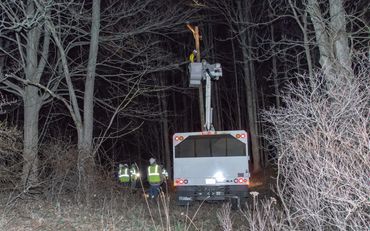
x=155, y=178
x=123, y=174
x=192, y=56
x=134, y=176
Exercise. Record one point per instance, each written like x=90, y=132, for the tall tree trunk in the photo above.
x=191, y=121
x=239, y=119
x=139, y=156
x=32, y=105
x=31, y=135
x=304, y=30
x=322, y=38
x=86, y=163
x=331, y=39
x=250, y=85
x=252, y=120
x=339, y=34
x=274, y=70
x=90, y=78
x=166, y=137
x=185, y=125
x=264, y=155
x=306, y=43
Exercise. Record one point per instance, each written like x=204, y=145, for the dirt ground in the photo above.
x=263, y=182
x=115, y=209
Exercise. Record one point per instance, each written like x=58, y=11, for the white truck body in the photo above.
x=211, y=165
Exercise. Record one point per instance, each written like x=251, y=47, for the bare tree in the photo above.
x=125, y=39
x=238, y=16
x=26, y=48
x=132, y=47
x=165, y=128
x=85, y=145
x=322, y=140
x=332, y=31
x=331, y=35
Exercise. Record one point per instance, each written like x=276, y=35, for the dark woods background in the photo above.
x=141, y=95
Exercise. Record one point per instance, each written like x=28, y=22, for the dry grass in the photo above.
x=10, y=156
x=115, y=210
x=55, y=203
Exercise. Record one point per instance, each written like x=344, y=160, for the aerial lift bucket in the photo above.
x=195, y=70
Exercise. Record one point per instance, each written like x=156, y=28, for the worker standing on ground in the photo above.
x=123, y=174
x=192, y=56
x=134, y=176
x=165, y=178
x=155, y=178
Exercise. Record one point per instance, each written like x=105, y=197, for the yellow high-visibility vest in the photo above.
x=191, y=57
x=154, y=174
x=134, y=173
x=123, y=175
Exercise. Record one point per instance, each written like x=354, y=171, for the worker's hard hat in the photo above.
x=125, y=165
x=151, y=160
x=120, y=165
x=195, y=51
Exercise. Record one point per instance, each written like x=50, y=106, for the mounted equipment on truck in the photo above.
x=210, y=165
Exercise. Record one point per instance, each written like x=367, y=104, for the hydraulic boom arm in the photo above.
x=205, y=71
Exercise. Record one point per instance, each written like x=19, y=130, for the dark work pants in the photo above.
x=154, y=190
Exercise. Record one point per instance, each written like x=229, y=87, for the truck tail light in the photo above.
x=241, y=180
x=240, y=136
x=179, y=138
x=180, y=181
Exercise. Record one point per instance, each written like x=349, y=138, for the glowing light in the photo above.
x=180, y=181
x=179, y=138
x=219, y=176
x=241, y=180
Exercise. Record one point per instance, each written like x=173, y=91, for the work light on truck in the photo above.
x=219, y=176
